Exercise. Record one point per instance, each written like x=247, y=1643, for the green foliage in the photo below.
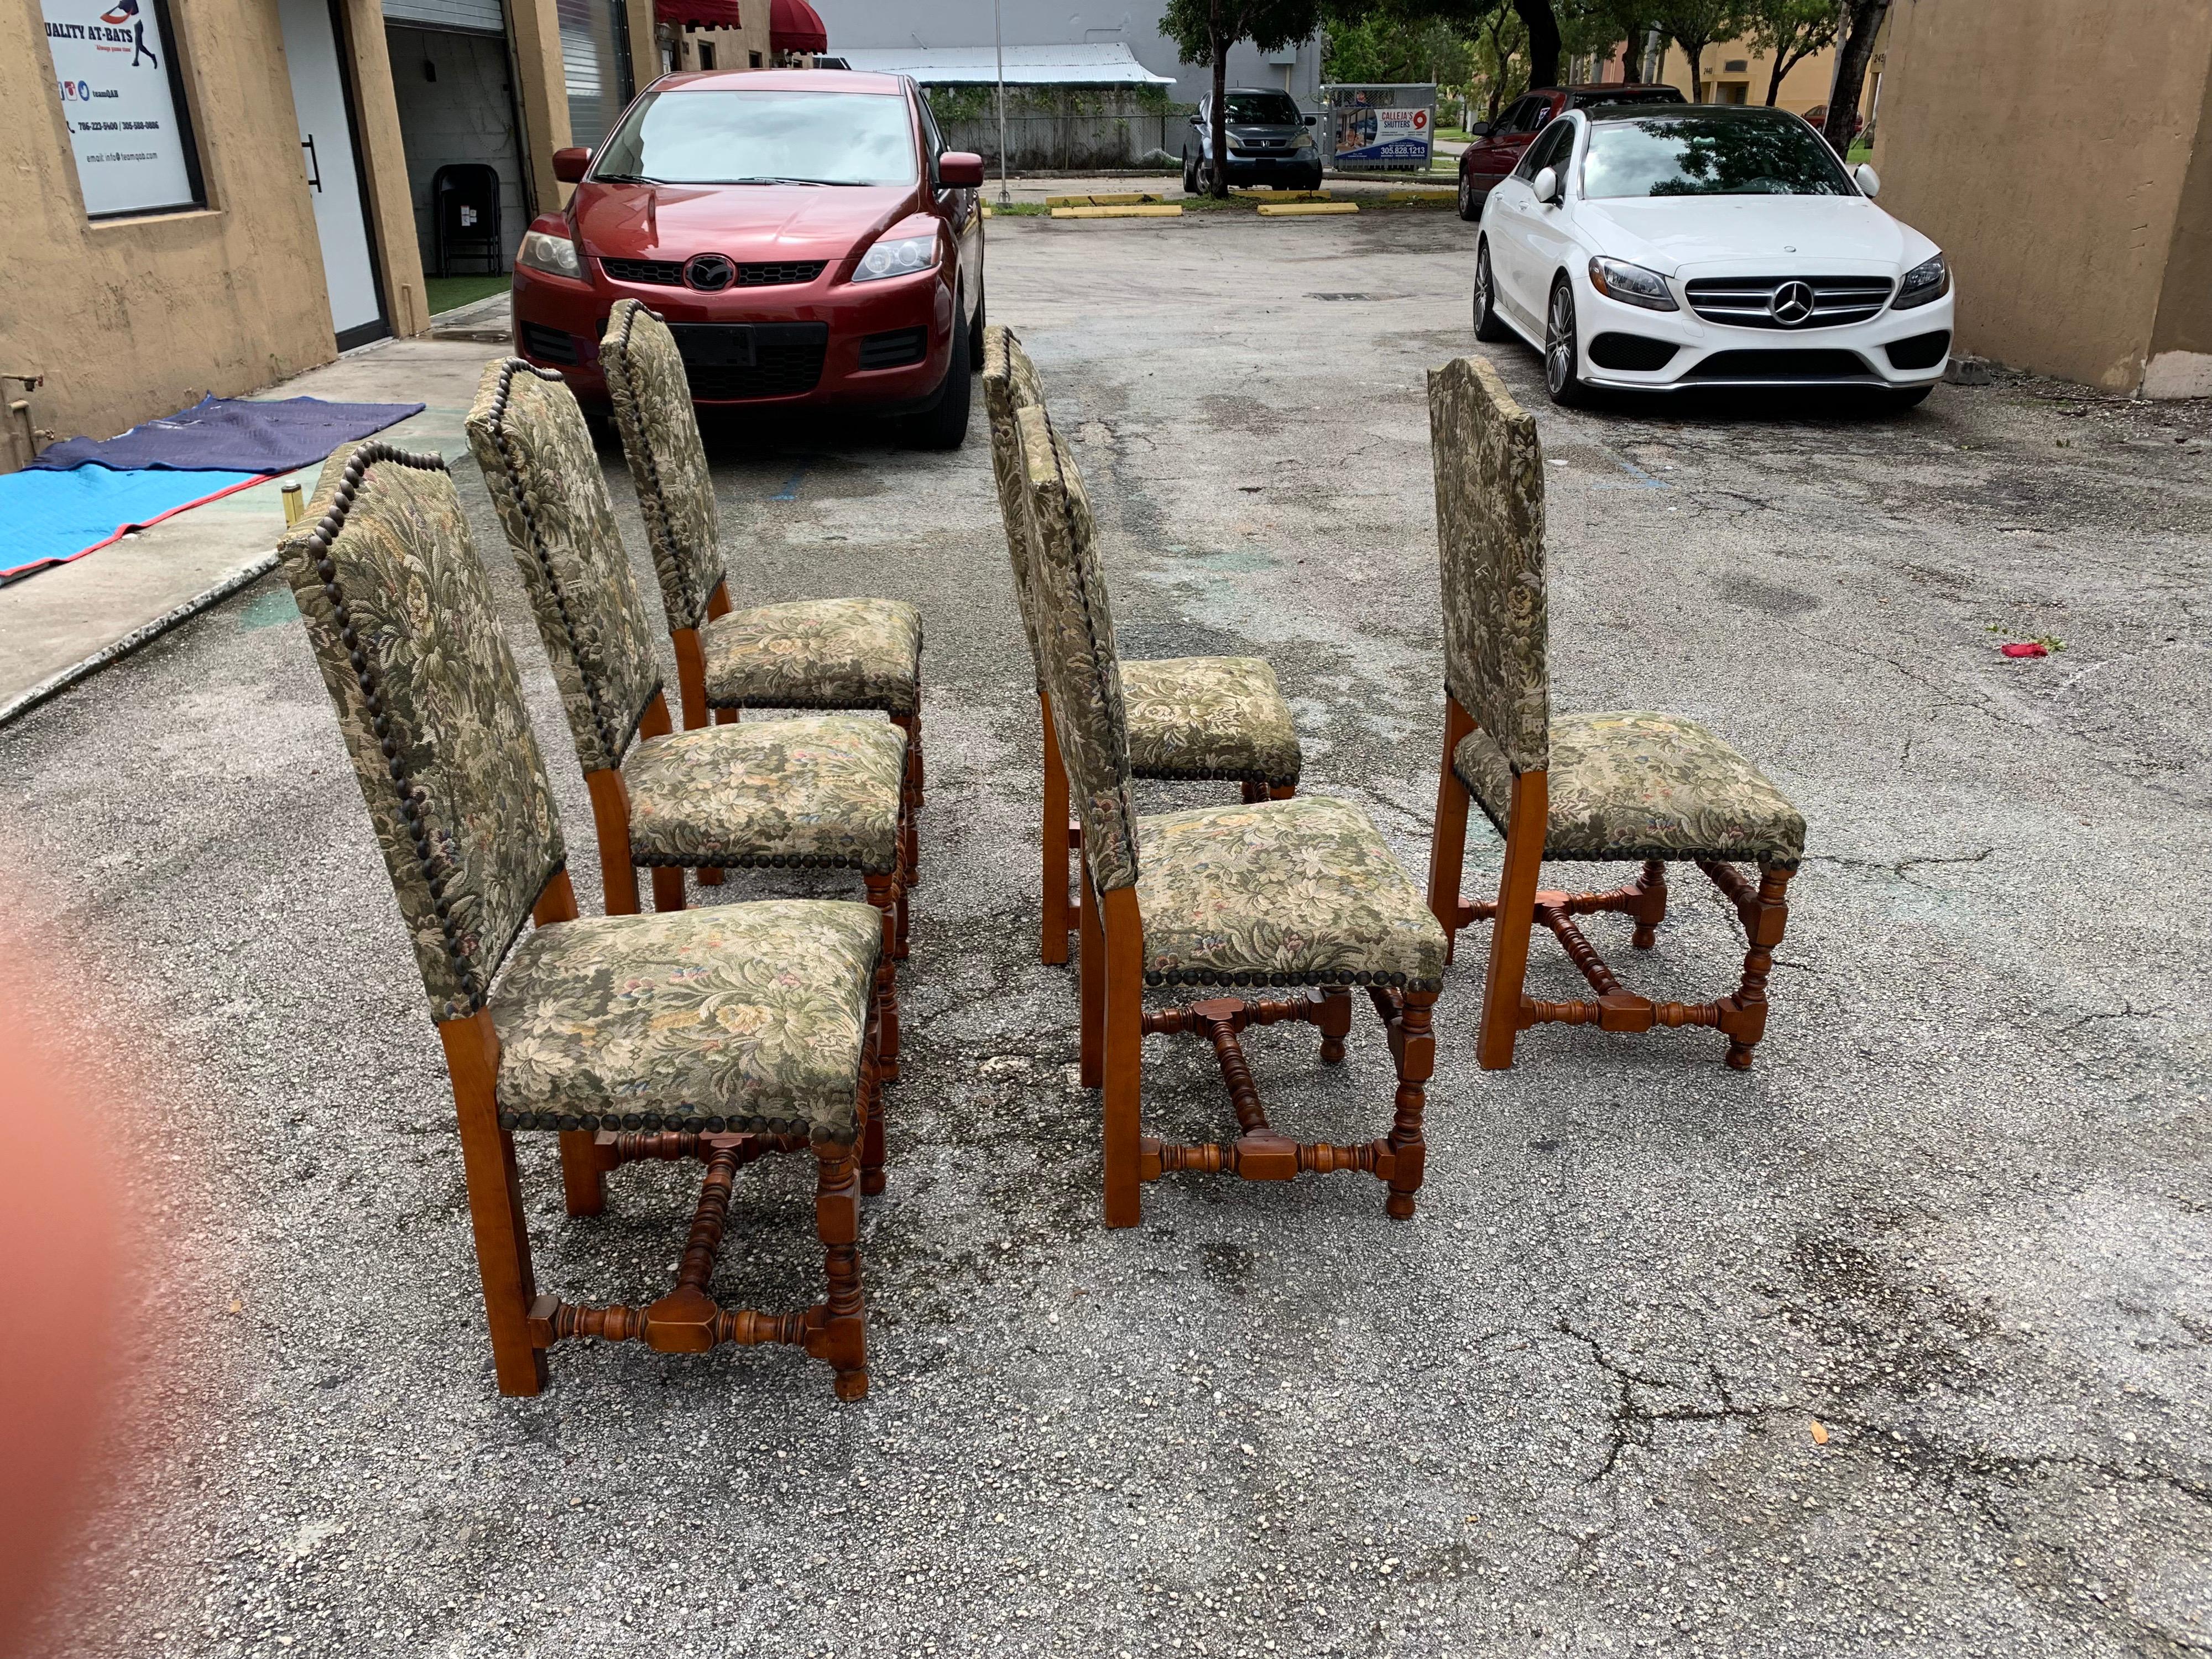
x=1193, y=25
x=1789, y=32
x=1381, y=47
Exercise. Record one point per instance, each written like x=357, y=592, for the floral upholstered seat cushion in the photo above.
x=820, y=790
x=1282, y=892
x=816, y=653
x=739, y=1017
x=1636, y=784
x=1209, y=717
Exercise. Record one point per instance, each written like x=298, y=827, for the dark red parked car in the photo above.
x=1498, y=144
x=804, y=232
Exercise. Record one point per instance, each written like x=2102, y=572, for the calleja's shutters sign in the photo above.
x=120, y=104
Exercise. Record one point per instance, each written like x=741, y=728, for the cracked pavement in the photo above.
x=1896, y=1344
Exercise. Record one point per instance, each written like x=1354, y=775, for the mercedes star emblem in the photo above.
x=712, y=272
x=1792, y=303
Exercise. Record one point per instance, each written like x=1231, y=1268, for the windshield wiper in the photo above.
x=624, y=179
x=791, y=181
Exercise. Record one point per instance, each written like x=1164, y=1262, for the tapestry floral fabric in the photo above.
x=730, y=1016
x=821, y=790
x=1075, y=624
x=1490, y=534
x=539, y=462
x=1281, y=892
x=430, y=705
x=1209, y=717
x=816, y=653
x=1636, y=784
x=659, y=429
x=1011, y=384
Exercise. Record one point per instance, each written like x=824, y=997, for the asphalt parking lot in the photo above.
x=1896, y=1344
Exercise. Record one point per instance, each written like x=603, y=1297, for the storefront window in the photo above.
x=115, y=71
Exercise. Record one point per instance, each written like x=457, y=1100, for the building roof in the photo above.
x=1094, y=64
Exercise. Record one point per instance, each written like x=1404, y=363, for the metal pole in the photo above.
x=999, y=42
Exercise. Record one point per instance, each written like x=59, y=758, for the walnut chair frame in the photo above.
x=648, y=388
x=1011, y=384
x=467, y=895
x=1075, y=628
x=559, y=526
x=1490, y=527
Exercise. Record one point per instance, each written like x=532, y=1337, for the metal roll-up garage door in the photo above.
x=475, y=17
x=595, y=56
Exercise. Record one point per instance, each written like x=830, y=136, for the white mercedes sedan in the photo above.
x=1656, y=248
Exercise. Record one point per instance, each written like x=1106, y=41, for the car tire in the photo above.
x=1189, y=174
x=1563, y=376
x=1470, y=208
x=975, y=335
x=1489, y=327
x=943, y=425
x=1313, y=181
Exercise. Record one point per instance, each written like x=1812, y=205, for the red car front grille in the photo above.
x=669, y=273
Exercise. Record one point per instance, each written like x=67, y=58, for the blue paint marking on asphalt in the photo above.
x=1639, y=478
x=790, y=490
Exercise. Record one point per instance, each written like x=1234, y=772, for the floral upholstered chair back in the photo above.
x=660, y=437
x=1075, y=635
x=530, y=439
x=1010, y=386
x=1489, y=531
x=431, y=709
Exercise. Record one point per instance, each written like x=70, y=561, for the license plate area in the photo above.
x=716, y=345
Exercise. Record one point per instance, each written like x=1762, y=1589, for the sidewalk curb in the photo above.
x=54, y=684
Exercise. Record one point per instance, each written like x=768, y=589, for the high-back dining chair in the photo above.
x=1189, y=718
x=716, y=1035
x=820, y=791
x=1627, y=785
x=1302, y=892
x=845, y=653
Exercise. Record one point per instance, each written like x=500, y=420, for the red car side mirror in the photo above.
x=960, y=169
x=568, y=165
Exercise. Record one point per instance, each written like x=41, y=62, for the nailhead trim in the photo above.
x=612, y=740
x=1201, y=976
x=652, y=503
x=715, y=1125
x=774, y=861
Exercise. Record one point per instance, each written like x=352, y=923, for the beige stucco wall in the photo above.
x=132, y=318
x=542, y=97
x=384, y=155
x=2050, y=157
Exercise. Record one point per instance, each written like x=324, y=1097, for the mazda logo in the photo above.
x=711, y=273
x=1792, y=303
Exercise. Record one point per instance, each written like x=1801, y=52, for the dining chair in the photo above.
x=1626, y=786
x=1190, y=719
x=718, y=1034
x=1299, y=892
x=840, y=653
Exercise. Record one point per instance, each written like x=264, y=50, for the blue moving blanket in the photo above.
x=50, y=518
x=231, y=434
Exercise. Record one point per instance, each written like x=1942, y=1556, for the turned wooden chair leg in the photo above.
x=668, y=887
x=1508, y=931
x=1281, y=791
x=1747, y=1023
x=583, y=1176
x=883, y=893
x=911, y=786
x=1448, y=842
x=496, y=1214
x=841, y=1336
x=1335, y=1023
x=1253, y=792
x=1091, y=986
x=1651, y=907
x=871, y=1106
x=1123, y=1042
x=1055, y=922
x=1414, y=1048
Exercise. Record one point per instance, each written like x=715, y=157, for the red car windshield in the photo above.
x=762, y=138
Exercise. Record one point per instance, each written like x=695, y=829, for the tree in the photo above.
x=1694, y=24
x=1205, y=30
x=1862, y=21
x=1789, y=32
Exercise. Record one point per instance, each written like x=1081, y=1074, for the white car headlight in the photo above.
x=900, y=259
x=1928, y=279
x=542, y=251
x=1633, y=285
x=1305, y=141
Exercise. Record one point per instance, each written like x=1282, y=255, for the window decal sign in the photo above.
x=112, y=72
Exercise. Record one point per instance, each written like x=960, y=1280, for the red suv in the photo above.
x=1498, y=144
x=804, y=232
